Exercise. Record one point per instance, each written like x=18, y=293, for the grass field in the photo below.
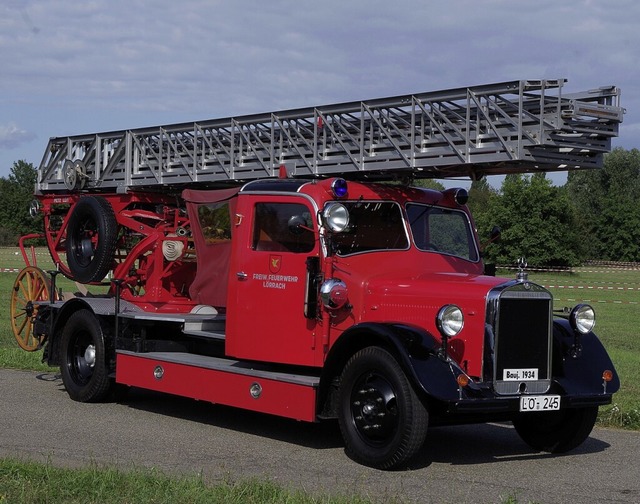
x=35, y=483
x=614, y=293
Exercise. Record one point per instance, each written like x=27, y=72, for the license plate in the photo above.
x=540, y=403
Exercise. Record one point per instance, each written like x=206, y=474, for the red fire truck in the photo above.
x=283, y=263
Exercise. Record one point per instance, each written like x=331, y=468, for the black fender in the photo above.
x=58, y=322
x=578, y=370
x=416, y=350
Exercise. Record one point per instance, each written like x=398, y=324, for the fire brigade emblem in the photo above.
x=275, y=261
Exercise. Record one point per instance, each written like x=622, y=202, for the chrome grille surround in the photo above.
x=520, y=316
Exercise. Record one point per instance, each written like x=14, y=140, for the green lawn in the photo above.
x=34, y=483
x=615, y=295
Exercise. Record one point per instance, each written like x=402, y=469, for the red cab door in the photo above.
x=268, y=315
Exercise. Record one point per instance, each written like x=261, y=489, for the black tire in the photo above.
x=382, y=420
x=92, y=232
x=556, y=431
x=83, y=363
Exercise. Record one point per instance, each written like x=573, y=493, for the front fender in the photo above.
x=417, y=352
x=579, y=372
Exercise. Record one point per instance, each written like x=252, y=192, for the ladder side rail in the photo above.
x=468, y=124
x=211, y=156
x=50, y=166
x=495, y=105
x=95, y=156
x=259, y=133
x=329, y=123
x=397, y=130
x=214, y=137
x=490, y=124
x=385, y=130
x=457, y=118
x=318, y=132
x=177, y=151
x=151, y=155
x=116, y=158
x=91, y=158
x=183, y=146
x=128, y=158
x=294, y=134
x=415, y=148
x=431, y=116
x=305, y=129
x=232, y=150
x=362, y=131
x=525, y=118
x=335, y=148
x=257, y=147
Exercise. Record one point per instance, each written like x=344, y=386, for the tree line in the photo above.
x=594, y=216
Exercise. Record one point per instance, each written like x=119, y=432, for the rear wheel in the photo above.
x=83, y=365
x=382, y=420
x=556, y=431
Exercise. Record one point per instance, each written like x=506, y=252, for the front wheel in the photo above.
x=382, y=420
x=83, y=361
x=556, y=431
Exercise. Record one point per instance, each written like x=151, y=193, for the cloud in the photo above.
x=12, y=136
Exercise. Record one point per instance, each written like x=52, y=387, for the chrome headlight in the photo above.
x=336, y=217
x=582, y=318
x=450, y=320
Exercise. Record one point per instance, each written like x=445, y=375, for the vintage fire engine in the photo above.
x=282, y=263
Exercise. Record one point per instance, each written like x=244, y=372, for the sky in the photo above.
x=70, y=67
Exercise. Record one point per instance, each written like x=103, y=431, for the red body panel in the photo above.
x=265, y=308
x=277, y=398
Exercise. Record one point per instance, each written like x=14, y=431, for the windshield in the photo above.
x=373, y=225
x=442, y=230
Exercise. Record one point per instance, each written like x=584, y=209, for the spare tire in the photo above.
x=92, y=232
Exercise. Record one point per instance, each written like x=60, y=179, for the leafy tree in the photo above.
x=480, y=199
x=428, y=184
x=536, y=221
x=17, y=193
x=605, y=205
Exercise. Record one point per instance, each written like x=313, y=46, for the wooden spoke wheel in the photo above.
x=30, y=289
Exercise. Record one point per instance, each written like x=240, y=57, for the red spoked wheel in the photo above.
x=31, y=288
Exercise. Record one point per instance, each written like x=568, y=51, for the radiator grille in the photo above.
x=523, y=344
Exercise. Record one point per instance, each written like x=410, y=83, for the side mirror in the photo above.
x=297, y=225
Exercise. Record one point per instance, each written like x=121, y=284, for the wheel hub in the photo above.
x=373, y=409
x=90, y=355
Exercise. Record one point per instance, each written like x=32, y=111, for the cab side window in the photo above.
x=281, y=227
x=215, y=222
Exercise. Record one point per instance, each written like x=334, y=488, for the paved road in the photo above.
x=474, y=464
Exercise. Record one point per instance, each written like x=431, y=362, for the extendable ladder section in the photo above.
x=512, y=127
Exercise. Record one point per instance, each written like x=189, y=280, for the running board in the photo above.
x=222, y=381
x=204, y=325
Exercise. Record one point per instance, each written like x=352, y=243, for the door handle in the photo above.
x=241, y=275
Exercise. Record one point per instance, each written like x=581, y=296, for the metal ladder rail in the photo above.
x=448, y=133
